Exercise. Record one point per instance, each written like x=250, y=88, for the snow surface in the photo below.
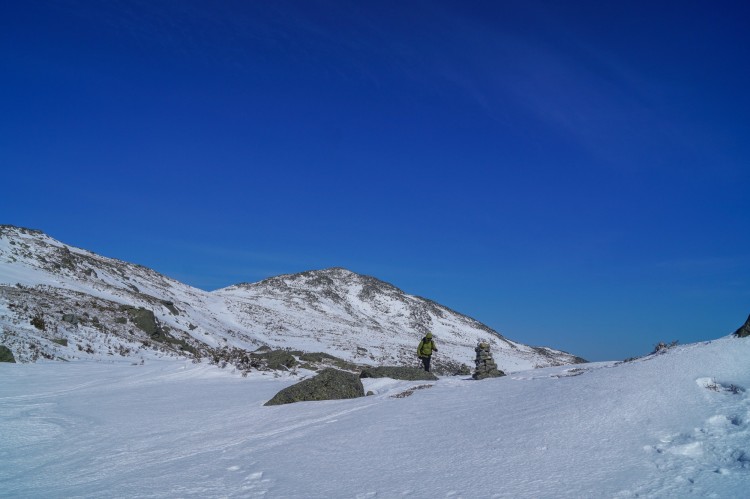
x=671, y=425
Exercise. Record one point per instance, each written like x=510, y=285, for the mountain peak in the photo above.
x=7, y=229
x=317, y=278
x=360, y=313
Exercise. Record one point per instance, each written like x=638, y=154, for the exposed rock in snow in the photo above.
x=330, y=384
x=6, y=355
x=405, y=373
x=744, y=331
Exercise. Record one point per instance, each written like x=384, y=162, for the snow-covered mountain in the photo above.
x=57, y=301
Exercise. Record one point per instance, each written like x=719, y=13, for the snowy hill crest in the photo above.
x=355, y=317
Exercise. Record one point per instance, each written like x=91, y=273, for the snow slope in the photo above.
x=676, y=424
x=369, y=321
x=357, y=318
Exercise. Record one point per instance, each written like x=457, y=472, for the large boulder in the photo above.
x=744, y=331
x=395, y=372
x=6, y=355
x=330, y=384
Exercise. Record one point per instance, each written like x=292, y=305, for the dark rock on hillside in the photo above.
x=275, y=360
x=71, y=319
x=744, y=331
x=662, y=347
x=144, y=320
x=330, y=384
x=170, y=305
x=405, y=373
x=317, y=357
x=6, y=355
x=314, y=360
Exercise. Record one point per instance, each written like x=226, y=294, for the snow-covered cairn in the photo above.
x=486, y=367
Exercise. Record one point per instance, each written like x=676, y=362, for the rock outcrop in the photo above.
x=330, y=384
x=744, y=331
x=485, y=365
x=395, y=372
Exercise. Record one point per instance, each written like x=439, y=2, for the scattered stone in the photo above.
x=66, y=258
x=330, y=384
x=463, y=370
x=410, y=392
x=662, y=347
x=71, y=319
x=6, y=355
x=273, y=359
x=316, y=357
x=38, y=322
x=395, y=372
x=744, y=331
x=170, y=306
x=570, y=372
x=485, y=365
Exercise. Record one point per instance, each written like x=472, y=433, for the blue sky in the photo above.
x=573, y=174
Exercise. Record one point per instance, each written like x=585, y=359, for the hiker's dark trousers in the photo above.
x=426, y=363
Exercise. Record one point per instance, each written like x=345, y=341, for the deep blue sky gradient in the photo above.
x=573, y=174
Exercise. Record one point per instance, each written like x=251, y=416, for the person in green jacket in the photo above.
x=425, y=349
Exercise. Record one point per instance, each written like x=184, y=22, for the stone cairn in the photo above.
x=486, y=367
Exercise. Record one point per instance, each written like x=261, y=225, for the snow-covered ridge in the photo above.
x=355, y=317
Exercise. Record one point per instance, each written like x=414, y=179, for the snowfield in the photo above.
x=670, y=425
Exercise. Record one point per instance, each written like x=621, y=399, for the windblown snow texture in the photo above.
x=676, y=424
